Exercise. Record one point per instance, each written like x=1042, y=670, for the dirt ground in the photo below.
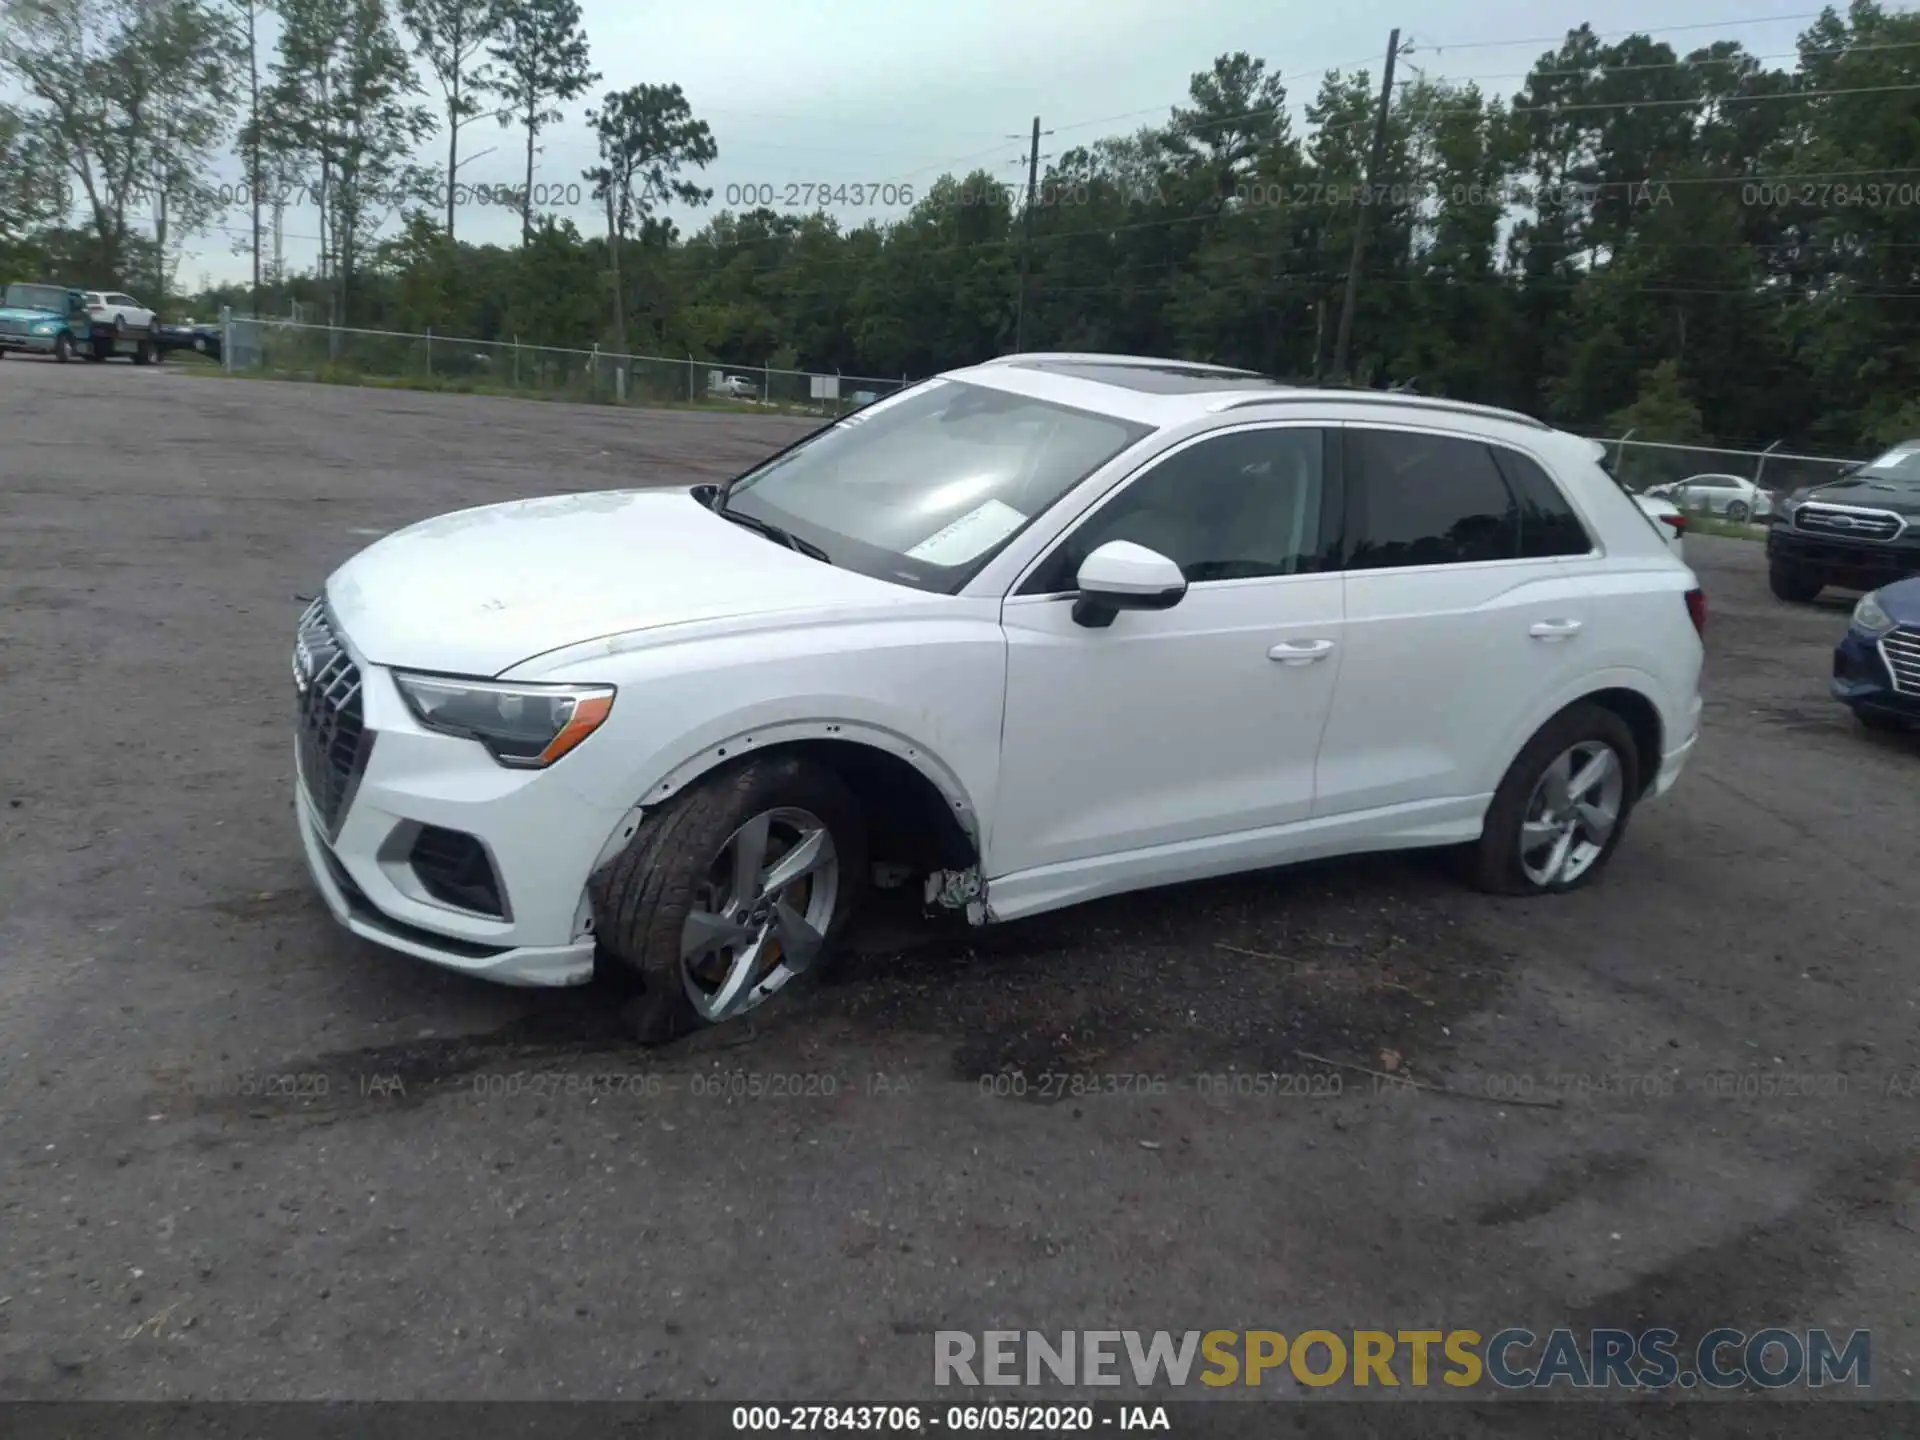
x=432, y=1226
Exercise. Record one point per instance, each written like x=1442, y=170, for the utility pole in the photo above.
x=253, y=146
x=1345, y=335
x=613, y=257
x=1026, y=241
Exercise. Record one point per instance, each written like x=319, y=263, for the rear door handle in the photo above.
x=1300, y=652
x=1555, y=630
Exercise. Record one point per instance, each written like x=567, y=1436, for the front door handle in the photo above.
x=1300, y=652
x=1555, y=630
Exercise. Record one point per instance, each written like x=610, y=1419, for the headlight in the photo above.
x=1869, y=618
x=526, y=726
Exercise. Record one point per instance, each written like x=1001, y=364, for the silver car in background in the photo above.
x=1729, y=495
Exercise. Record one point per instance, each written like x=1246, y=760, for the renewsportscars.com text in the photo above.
x=1513, y=1358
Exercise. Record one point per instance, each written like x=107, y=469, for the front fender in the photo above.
x=929, y=691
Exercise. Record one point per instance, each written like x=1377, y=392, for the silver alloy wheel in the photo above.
x=1571, y=814
x=762, y=916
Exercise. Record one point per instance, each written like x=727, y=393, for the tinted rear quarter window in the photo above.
x=1548, y=524
x=1427, y=500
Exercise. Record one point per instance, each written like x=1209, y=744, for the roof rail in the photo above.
x=1097, y=357
x=1390, y=397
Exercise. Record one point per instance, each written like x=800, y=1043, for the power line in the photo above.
x=1438, y=45
x=1697, y=63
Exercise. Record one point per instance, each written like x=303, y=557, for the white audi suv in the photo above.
x=1036, y=631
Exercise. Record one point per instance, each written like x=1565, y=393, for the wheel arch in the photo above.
x=918, y=807
x=1626, y=693
x=1642, y=718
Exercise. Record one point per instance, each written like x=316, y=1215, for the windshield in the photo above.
x=1900, y=464
x=926, y=486
x=37, y=297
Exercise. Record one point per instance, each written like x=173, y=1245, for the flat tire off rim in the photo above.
x=1572, y=814
x=761, y=915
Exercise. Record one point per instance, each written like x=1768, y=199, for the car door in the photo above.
x=1464, y=606
x=137, y=314
x=1197, y=721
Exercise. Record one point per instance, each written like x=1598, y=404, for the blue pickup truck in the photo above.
x=53, y=320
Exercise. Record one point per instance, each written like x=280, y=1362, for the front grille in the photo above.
x=13, y=327
x=334, y=743
x=453, y=867
x=1848, y=524
x=1901, y=650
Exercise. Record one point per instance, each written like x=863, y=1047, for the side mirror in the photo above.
x=1121, y=575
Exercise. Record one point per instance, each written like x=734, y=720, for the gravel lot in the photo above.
x=410, y=1236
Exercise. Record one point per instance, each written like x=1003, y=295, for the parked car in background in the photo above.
x=202, y=337
x=1046, y=629
x=1671, y=520
x=736, y=387
x=1729, y=495
x=118, y=312
x=1876, y=665
x=1860, y=531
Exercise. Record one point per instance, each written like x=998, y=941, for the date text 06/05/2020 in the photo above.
x=918, y=1419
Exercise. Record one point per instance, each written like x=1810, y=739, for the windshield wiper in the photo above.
x=775, y=533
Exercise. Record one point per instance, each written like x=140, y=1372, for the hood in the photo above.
x=1901, y=496
x=1901, y=601
x=479, y=591
x=28, y=314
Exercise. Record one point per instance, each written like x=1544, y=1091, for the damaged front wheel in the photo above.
x=732, y=889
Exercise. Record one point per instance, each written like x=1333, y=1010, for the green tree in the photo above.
x=542, y=51
x=342, y=98
x=647, y=135
x=450, y=37
x=114, y=97
x=1663, y=410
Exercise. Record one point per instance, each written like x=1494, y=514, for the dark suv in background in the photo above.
x=1860, y=531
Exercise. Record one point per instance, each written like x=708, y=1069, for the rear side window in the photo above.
x=1548, y=524
x=1427, y=500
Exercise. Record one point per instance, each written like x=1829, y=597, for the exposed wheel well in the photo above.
x=909, y=821
x=1643, y=720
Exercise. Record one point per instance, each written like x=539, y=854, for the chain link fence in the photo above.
x=292, y=350
x=1738, y=487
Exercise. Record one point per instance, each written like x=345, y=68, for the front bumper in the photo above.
x=33, y=344
x=542, y=839
x=1855, y=565
x=1863, y=681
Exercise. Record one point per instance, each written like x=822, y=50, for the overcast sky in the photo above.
x=846, y=92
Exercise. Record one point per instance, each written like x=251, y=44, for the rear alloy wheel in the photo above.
x=1794, y=586
x=1739, y=512
x=1561, y=809
x=731, y=890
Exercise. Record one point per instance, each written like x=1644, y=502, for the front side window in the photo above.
x=1234, y=507
x=1427, y=500
x=926, y=486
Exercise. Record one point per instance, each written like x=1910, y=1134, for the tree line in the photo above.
x=1708, y=244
